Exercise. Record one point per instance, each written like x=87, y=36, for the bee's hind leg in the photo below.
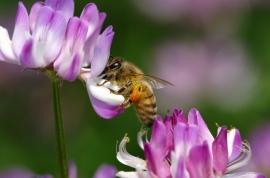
x=122, y=89
x=125, y=104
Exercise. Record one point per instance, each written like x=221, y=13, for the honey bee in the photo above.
x=135, y=86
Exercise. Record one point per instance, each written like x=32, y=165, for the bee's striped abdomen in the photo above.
x=146, y=106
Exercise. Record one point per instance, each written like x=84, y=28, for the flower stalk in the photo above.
x=59, y=126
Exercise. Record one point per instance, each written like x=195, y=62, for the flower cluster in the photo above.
x=51, y=38
x=186, y=148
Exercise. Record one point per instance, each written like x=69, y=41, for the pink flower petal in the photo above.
x=220, y=152
x=234, y=144
x=69, y=69
x=91, y=15
x=102, y=51
x=92, y=40
x=50, y=28
x=66, y=7
x=89, y=47
x=20, y=30
x=199, y=162
x=194, y=117
x=76, y=34
x=155, y=162
x=185, y=136
x=158, y=137
x=69, y=63
x=33, y=14
x=169, y=132
x=178, y=116
x=102, y=17
x=181, y=169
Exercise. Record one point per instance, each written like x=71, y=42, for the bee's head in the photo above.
x=114, y=64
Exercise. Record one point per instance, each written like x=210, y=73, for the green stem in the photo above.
x=59, y=127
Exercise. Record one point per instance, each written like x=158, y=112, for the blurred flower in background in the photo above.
x=260, y=144
x=218, y=72
x=197, y=10
x=16, y=173
x=104, y=171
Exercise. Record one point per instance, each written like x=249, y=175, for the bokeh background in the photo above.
x=216, y=53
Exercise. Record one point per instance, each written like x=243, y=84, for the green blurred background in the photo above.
x=27, y=137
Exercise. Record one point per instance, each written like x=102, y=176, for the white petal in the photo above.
x=244, y=175
x=139, y=138
x=102, y=93
x=242, y=159
x=123, y=174
x=138, y=174
x=124, y=157
x=6, y=48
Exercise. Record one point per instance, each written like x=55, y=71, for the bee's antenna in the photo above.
x=111, y=58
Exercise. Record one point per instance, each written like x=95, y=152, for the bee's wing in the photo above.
x=155, y=82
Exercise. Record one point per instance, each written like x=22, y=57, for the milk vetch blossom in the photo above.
x=181, y=148
x=50, y=38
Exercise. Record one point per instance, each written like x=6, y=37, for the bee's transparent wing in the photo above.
x=155, y=82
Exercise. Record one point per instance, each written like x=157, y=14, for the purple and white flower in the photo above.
x=186, y=148
x=51, y=38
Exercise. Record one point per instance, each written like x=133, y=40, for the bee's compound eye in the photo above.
x=115, y=66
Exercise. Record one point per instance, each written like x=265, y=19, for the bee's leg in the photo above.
x=106, y=78
x=122, y=89
x=125, y=104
